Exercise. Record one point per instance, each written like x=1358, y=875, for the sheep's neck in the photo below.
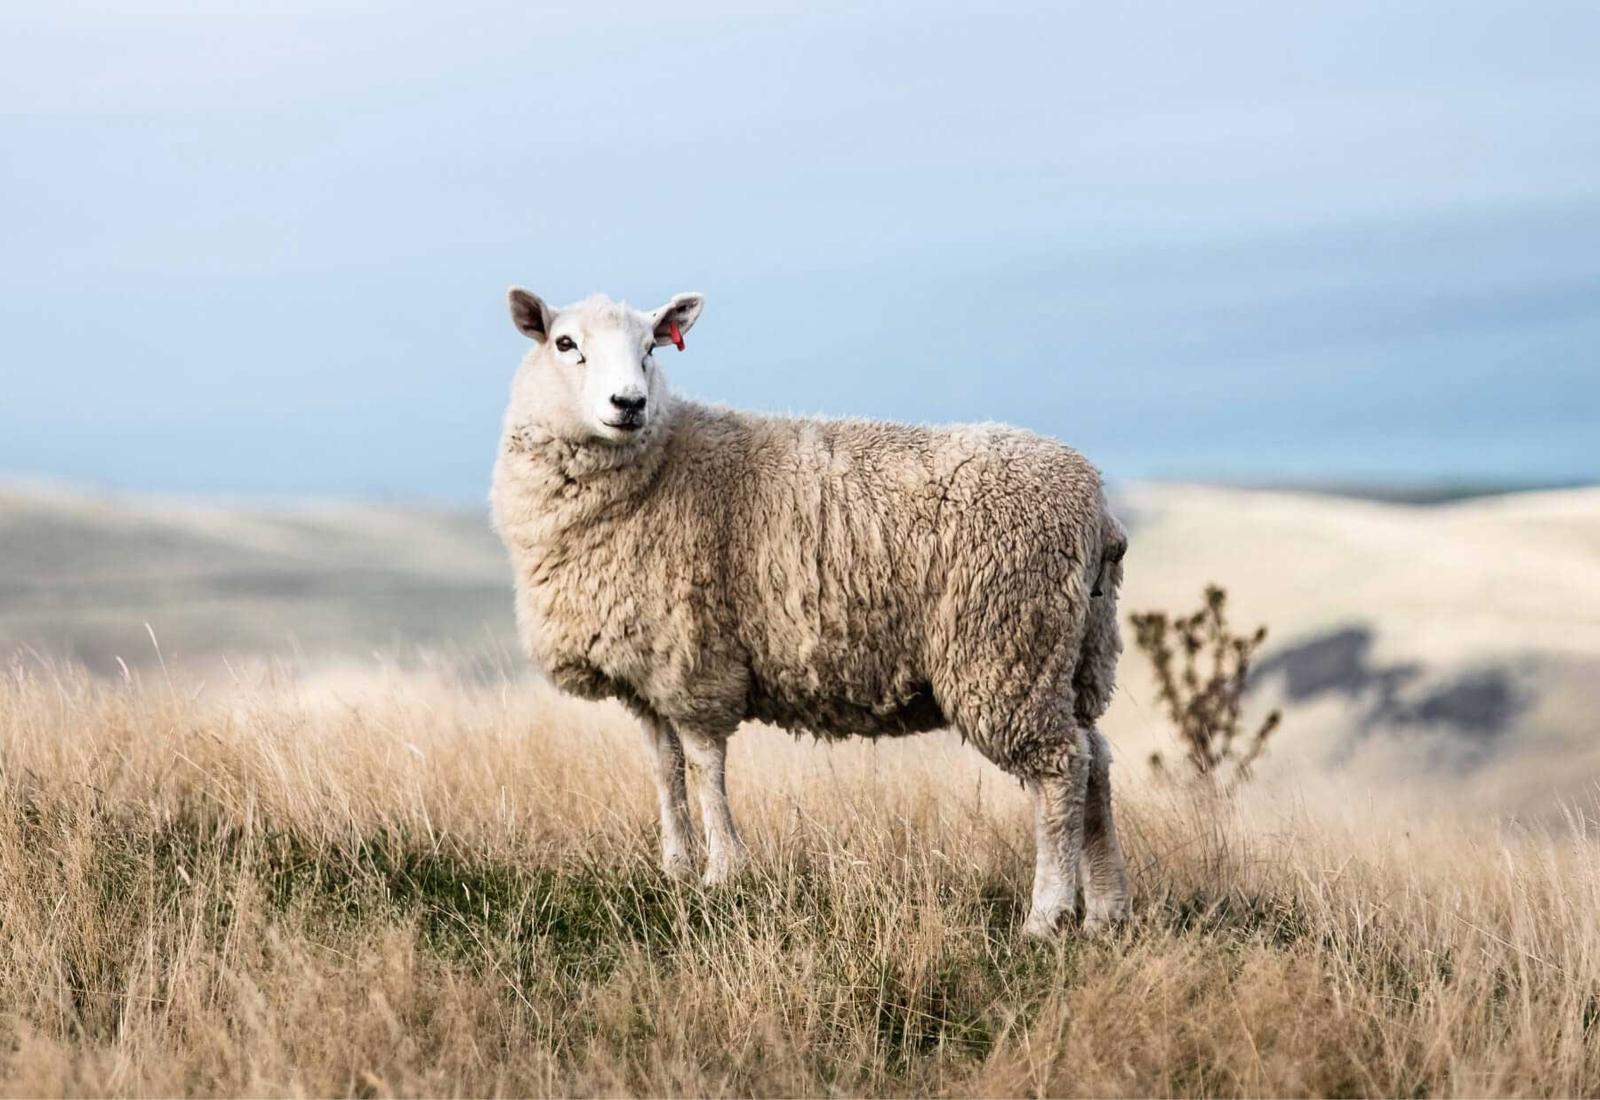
x=565, y=483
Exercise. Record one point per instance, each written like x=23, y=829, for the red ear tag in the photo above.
x=675, y=335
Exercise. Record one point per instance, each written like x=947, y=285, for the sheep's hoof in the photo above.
x=1102, y=926
x=1041, y=925
x=724, y=868
x=678, y=866
x=1105, y=915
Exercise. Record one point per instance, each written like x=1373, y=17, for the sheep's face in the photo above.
x=592, y=375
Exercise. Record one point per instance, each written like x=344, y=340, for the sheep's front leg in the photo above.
x=1058, y=812
x=725, y=852
x=1105, y=873
x=677, y=834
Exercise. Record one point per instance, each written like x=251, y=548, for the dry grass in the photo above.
x=406, y=885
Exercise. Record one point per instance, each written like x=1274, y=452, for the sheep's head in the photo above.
x=591, y=375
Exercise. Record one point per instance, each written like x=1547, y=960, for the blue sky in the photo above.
x=262, y=249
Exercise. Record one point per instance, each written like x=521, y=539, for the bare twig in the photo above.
x=1201, y=669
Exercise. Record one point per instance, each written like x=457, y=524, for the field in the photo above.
x=407, y=882
x=281, y=813
x=1442, y=653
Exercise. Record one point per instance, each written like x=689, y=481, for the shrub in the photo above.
x=1201, y=669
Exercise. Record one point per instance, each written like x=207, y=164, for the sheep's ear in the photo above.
x=683, y=309
x=529, y=313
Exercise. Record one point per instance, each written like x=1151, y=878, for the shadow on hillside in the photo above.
x=1480, y=704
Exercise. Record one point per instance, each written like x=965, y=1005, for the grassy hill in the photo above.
x=409, y=885
x=89, y=577
x=368, y=856
x=1434, y=646
x=1449, y=651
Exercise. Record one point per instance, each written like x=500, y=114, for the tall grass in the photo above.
x=406, y=885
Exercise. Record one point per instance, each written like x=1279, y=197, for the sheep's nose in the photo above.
x=630, y=405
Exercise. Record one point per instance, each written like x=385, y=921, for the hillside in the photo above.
x=358, y=870
x=1446, y=648
x=419, y=886
x=1459, y=642
x=82, y=574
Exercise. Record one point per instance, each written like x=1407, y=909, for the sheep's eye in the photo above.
x=564, y=343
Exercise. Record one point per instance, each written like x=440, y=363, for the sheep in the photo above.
x=707, y=566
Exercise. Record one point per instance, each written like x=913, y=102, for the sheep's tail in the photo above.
x=1113, y=545
x=1096, y=675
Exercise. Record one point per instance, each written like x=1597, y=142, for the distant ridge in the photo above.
x=82, y=572
x=1420, y=492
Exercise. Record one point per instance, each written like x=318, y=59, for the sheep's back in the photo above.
x=864, y=558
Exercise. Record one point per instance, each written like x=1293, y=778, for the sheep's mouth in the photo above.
x=626, y=424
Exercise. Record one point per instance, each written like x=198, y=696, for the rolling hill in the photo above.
x=1452, y=645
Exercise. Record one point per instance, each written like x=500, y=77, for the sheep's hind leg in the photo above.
x=1104, y=872
x=1058, y=816
x=725, y=852
x=677, y=833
